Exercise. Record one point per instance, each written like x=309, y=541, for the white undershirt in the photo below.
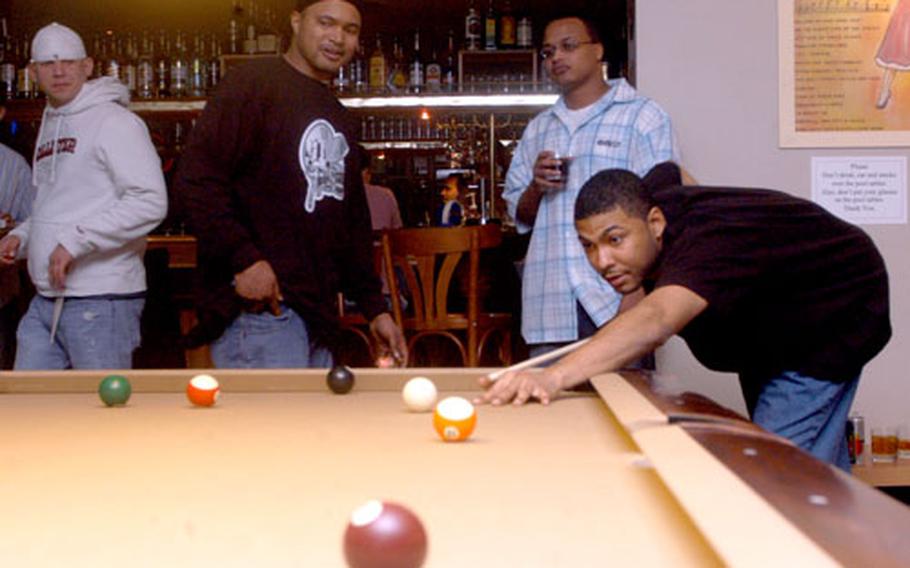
x=575, y=117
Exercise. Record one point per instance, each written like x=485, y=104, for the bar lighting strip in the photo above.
x=450, y=101
x=535, y=100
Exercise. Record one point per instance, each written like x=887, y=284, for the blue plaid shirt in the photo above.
x=622, y=130
x=16, y=192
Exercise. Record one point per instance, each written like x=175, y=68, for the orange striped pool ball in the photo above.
x=203, y=390
x=454, y=419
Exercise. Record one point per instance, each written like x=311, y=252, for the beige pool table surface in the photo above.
x=270, y=475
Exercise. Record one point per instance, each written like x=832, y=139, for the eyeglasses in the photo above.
x=566, y=46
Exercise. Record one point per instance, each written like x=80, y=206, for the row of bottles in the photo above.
x=399, y=71
x=252, y=29
x=160, y=66
x=497, y=29
x=15, y=81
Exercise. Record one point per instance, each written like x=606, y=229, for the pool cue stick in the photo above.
x=539, y=359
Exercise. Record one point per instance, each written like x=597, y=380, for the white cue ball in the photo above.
x=419, y=394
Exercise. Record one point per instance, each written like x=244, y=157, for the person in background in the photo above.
x=595, y=124
x=99, y=191
x=16, y=197
x=450, y=213
x=757, y=282
x=384, y=212
x=271, y=182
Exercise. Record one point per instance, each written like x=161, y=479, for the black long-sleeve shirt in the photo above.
x=271, y=173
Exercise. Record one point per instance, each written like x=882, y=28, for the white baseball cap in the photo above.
x=56, y=41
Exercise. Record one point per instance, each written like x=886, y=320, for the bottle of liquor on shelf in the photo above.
x=490, y=26
x=398, y=74
x=7, y=64
x=379, y=68
x=415, y=68
x=198, y=68
x=449, y=65
x=341, y=83
x=110, y=60
x=145, y=68
x=507, y=31
x=525, y=33
x=130, y=57
x=357, y=70
x=473, y=29
x=163, y=66
x=180, y=67
x=214, y=64
x=250, y=42
x=433, y=71
x=27, y=89
x=267, y=40
x=236, y=30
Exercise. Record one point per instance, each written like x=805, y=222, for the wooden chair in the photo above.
x=428, y=259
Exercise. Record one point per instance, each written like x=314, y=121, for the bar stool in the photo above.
x=428, y=259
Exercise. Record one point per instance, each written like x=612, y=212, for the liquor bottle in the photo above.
x=379, y=68
x=130, y=69
x=525, y=35
x=234, y=41
x=145, y=69
x=507, y=39
x=434, y=72
x=341, y=83
x=398, y=75
x=250, y=44
x=27, y=89
x=162, y=66
x=110, y=60
x=267, y=40
x=415, y=68
x=7, y=64
x=449, y=65
x=198, y=68
x=490, y=23
x=180, y=68
x=214, y=64
x=472, y=29
x=357, y=70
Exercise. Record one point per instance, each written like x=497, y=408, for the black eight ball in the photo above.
x=340, y=379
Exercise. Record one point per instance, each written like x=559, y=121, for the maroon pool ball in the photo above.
x=384, y=535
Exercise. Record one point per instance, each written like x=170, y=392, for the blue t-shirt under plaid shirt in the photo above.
x=621, y=130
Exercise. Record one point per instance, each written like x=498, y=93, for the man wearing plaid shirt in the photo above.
x=598, y=125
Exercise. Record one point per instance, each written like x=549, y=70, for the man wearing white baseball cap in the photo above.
x=100, y=190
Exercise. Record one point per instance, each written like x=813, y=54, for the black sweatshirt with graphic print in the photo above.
x=271, y=173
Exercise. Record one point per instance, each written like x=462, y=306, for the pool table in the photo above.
x=632, y=473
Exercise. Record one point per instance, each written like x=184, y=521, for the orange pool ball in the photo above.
x=454, y=419
x=203, y=390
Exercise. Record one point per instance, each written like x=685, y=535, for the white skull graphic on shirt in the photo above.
x=321, y=153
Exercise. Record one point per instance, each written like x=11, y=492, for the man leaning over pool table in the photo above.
x=757, y=282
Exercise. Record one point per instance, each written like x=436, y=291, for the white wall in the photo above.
x=712, y=64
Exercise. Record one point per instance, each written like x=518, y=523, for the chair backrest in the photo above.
x=428, y=258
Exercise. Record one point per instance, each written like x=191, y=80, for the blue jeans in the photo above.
x=812, y=413
x=92, y=333
x=268, y=341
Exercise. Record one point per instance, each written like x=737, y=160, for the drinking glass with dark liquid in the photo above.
x=562, y=164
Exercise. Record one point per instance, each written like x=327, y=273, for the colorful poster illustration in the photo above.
x=844, y=73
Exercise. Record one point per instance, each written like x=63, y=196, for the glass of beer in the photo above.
x=903, y=442
x=884, y=444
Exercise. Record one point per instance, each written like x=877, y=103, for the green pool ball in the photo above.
x=114, y=389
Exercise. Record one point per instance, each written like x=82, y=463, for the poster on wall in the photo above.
x=844, y=73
